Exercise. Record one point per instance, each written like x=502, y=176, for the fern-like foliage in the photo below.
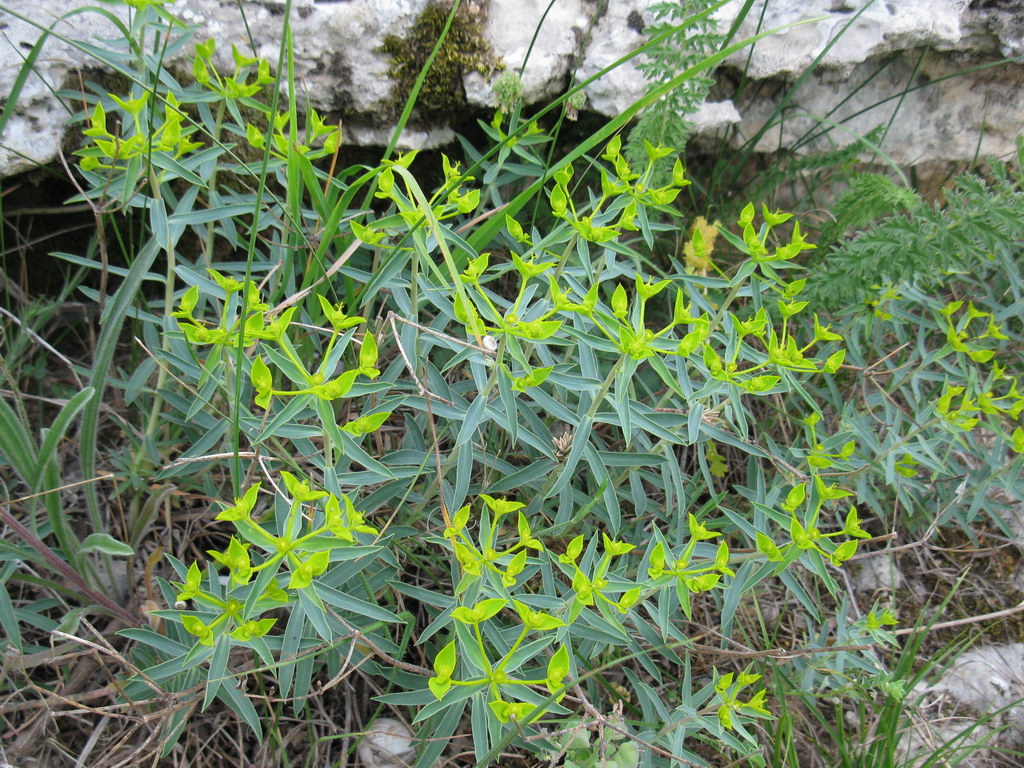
x=870, y=196
x=977, y=219
x=664, y=122
x=806, y=169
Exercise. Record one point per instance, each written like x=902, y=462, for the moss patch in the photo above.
x=465, y=49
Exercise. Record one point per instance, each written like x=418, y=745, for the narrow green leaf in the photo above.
x=240, y=704
x=57, y=430
x=106, y=345
x=107, y=544
x=217, y=672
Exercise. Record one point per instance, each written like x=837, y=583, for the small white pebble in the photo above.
x=387, y=744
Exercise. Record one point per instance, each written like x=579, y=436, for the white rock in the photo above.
x=37, y=125
x=874, y=574
x=364, y=135
x=977, y=700
x=613, y=38
x=986, y=681
x=387, y=744
x=342, y=70
x=714, y=115
x=938, y=122
x=1011, y=509
x=882, y=28
x=510, y=30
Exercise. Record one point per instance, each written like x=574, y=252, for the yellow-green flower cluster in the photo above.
x=306, y=556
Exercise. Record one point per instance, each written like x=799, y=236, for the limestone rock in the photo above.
x=977, y=700
x=343, y=71
x=876, y=575
x=387, y=744
x=813, y=25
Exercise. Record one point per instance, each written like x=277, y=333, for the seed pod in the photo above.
x=562, y=442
